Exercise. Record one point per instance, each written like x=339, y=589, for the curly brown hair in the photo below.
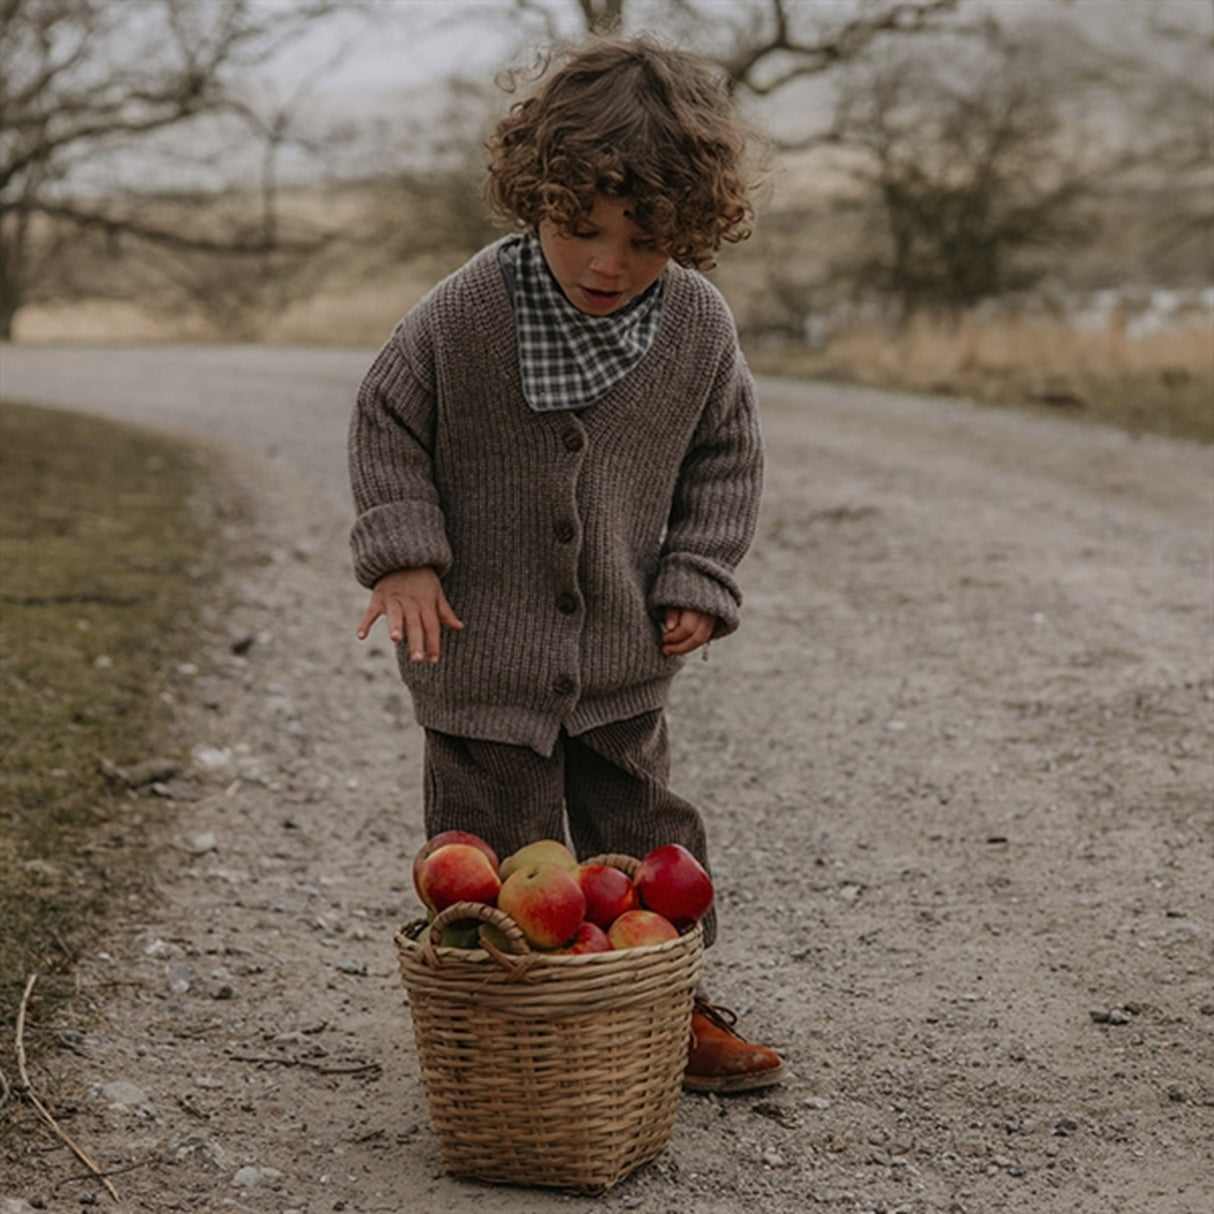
x=627, y=119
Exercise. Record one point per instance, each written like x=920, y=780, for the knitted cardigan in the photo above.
x=559, y=536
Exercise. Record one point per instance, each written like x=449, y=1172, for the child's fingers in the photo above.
x=679, y=627
x=686, y=631
x=447, y=616
x=415, y=632
x=368, y=617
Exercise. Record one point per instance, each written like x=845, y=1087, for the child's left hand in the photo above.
x=684, y=630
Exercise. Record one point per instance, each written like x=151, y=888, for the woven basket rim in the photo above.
x=407, y=938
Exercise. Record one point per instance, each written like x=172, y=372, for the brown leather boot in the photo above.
x=719, y=1059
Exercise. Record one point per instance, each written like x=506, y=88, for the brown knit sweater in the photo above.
x=560, y=537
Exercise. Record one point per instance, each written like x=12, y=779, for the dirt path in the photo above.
x=957, y=769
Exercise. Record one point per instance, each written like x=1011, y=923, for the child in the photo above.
x=556, y=464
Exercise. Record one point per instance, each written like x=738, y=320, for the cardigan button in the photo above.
x=564, y=684
x=574, y=440
x=566, y=602
x=564, y=531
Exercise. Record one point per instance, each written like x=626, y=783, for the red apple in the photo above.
x=458, y=872
x=546, y=902
x=589, y=938
x=637, y=928
x=674, y=883
x=609, y=893
x=542, y=851
x=441, y=840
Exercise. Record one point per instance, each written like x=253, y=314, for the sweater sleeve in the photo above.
x=399, y=520
x=715, y=508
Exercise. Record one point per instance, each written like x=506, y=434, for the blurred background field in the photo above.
x=1009, y=200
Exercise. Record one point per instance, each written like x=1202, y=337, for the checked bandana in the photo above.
x=570, y=359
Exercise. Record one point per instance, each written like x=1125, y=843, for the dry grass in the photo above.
x=1160, y=383
x=104, y=551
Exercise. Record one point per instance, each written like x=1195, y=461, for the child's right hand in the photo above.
x=416, y=609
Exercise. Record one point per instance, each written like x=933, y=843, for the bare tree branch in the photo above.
x=82, y=81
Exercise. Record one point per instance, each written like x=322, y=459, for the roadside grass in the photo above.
x=102, y=552
x=1158, y=383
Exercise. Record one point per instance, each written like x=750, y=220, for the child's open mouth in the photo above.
x=602, y=299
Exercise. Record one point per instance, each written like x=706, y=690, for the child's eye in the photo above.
x=582, y=234
x=645, y=244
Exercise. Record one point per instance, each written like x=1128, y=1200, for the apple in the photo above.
x=546, y=902
x=458, y=872
x=609, y=893
x=441, y=840
x=460, y=935
x=488, y=933
x=589, y=938
x=674, y=883
x=542, y=851
x=637, y=928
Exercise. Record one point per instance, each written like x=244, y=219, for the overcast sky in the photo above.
x=407, y=44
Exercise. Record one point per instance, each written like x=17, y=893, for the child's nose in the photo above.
x=610, y=260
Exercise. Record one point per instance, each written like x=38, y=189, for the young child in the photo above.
x=556, y=464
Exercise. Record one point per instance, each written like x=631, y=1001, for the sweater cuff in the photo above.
x=399, y=535
x=689, y=581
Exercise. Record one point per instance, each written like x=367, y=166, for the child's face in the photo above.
x=605, y=260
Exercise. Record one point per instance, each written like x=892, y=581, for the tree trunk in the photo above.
x=10, y=285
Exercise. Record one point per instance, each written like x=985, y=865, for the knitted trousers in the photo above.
x=608, y=785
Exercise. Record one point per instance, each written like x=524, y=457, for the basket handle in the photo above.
x=518, y=955
x=516, y=942
x=628, y=865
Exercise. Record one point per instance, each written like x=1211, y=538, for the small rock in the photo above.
x=213, y=759
x=15, y=1205
x=250, y=1176
x=821, y=1103
x=161, y=948
x=181, y=978
x=137, y=775
x=119, y=1094
x=197, y=1146
x=776, y=1112
x=44, y=868
x=199, y=845
x=773, y=1159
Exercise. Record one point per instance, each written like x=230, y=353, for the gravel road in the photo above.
x=957, y=771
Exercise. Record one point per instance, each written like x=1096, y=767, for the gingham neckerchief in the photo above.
x=568, y=358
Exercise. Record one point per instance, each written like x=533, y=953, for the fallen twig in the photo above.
x=28, y=1089
x=356, y=1068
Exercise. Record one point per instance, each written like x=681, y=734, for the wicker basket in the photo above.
x=558, y=1071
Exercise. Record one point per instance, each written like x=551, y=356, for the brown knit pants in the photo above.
x=608, y=784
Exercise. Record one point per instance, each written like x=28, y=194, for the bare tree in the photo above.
x=761, y=46
x=1168, y=77
x=89, y=87
x=976, y=165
